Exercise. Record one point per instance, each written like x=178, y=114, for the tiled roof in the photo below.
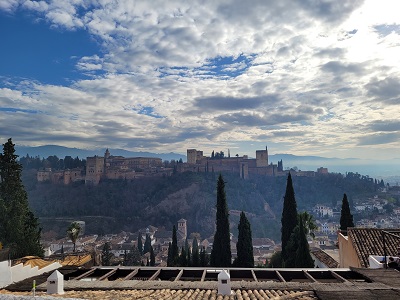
x=187, y=294
x=369, y=241
x=325, y=258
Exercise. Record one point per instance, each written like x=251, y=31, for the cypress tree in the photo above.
x=169, y=258
x=303, y=256
x=188, y=254
x=183, y=258
x=140, y=243
x=289, y=216
x=106, y=255
x=221, y=251
x=195, y=253
x=147, y=244
x=244, y=245
x=346, y=218
x=174, y=258
x=152, y=257
x=19, y=228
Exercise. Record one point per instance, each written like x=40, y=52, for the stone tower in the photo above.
x=182, y=229
x=262, y=158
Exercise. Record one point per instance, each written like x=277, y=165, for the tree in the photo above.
x=195, y=253
x=303, y=256
x=173, y=250
x=134, y=257
x=152, y=257
x=221, y=255
x=147, y=244
x=289, y=216
x=309, y=223
x=244, y=245
x=19, y=229
x=188, y=253
x=140, y=243
x=346, y=218
x=106, y=255
x=183, y=258
x=73, y=232
x=204, y=258
x=276, y=260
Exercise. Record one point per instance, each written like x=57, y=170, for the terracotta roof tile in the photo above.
x=369, y=241
x=325, y=258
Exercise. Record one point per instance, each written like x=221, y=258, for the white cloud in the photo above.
x=324, y=61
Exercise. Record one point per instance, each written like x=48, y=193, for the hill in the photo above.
x=118, y=205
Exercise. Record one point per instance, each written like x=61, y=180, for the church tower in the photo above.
x=182, y=229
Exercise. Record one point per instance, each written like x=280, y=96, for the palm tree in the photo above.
x=73, y=231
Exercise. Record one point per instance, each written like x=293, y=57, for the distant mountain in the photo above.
x=61, y=152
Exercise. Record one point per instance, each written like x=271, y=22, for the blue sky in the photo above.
x=303, y=77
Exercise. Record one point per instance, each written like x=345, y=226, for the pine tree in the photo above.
x=19, y=229
x=289, y=216
x=152, y=257
x=195, y=253
x=140, y=243
x=221, y=255
x=147, y=244
x=106, y=255
x=346, y=218
x=244, y=245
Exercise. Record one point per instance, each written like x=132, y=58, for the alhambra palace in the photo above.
x=129, y=168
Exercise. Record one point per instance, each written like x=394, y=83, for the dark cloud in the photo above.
x=331, y=53
x=232, y=103
x=331, y=11
x=389, y=125
x=250, y=120
x=287, y=133
x=339, y=68
x=379, y=139
x=386, y=90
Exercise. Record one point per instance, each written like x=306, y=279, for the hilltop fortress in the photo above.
x=129, y=168
x=197, y=162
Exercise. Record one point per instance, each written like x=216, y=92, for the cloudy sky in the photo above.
x=306, y=77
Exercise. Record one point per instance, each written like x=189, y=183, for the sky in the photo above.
x=306, y=77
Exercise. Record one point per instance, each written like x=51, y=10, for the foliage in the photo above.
x=289, y=216
x=19, y=228
x=73, y=232
x=152, y=257
x=147, y=244
x=183, y=258
x=195, y=253
x=303, y=256
x=308, y=222
x=244, y=245
x=204, y=258
x=173, y=250
x=221, y=251
x=346, y=218
x=276, y=260
x=106, y=255
x=140, y=243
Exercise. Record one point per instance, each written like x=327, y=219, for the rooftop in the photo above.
x=369, y=241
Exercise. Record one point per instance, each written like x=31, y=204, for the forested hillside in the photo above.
x=116, y=205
